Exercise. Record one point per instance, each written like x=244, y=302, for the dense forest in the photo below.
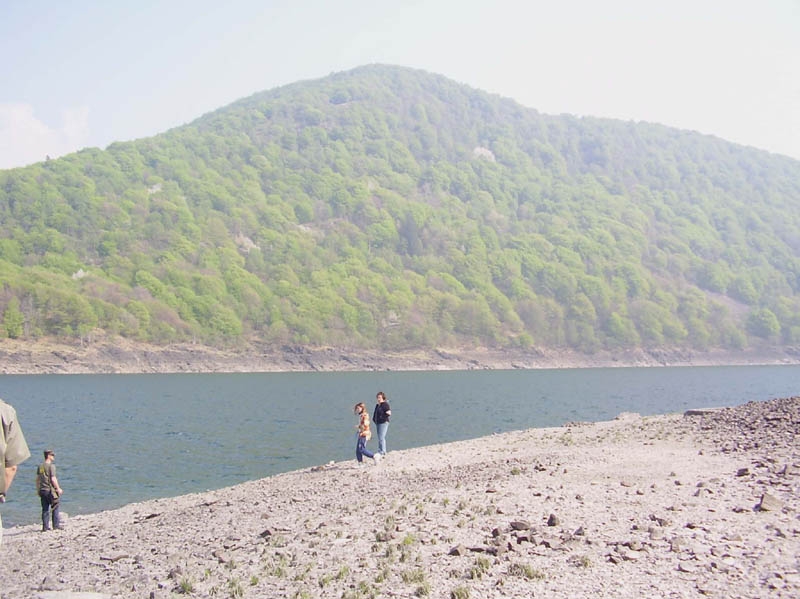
x=386, y=207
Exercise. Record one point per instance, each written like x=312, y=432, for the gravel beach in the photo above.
x=697, y=504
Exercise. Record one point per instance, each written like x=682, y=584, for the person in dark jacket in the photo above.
x=381, y=416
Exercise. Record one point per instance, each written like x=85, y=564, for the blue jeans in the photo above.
x=382, y=428
x=50, y=507
x=361, y=449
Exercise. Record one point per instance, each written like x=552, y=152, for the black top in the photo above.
x=379, y=415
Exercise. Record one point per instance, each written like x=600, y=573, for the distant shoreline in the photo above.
x=124, y=357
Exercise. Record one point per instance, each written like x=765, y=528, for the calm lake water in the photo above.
x=126, y=438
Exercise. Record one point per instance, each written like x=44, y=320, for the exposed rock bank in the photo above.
x=666, y=506
x=123, y=356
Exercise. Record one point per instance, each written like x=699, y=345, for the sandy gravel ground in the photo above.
x=665, y=506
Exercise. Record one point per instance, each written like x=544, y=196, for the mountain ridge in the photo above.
x=389, y=208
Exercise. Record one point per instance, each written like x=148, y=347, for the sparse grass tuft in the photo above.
x=525, y=571
x=383, y=575
x=460, y=592
x=482, y=565
x=277, y=568
x=410, y=576
x=582, y=561
x=363, y=590
x=389, y=523
x=300, y=576
x=278, y=541
x=235, y=588
x=186, y=586
x=566, y=439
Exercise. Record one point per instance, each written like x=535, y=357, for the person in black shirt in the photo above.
x=380, y=416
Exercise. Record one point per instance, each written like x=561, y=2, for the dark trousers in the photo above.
x=50, y=508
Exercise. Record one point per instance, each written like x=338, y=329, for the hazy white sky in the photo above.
x=78, y=73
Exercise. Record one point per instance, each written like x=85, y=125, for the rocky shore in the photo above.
x=118, y=355
x=699, y=504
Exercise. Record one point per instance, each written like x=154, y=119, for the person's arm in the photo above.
x=11, y=471
x=16, y=449
x=54, y=482
x=56, y=486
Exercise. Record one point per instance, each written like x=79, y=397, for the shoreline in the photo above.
x=120, y=356
x=671, y=505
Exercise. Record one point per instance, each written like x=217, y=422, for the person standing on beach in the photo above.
x=364, y=434
x=13, y=450
x=49, y=491
x=380, y=416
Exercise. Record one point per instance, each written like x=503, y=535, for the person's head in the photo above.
x=380, y=397
x=359, y=407
x=49, y=454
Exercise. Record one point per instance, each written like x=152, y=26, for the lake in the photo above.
x=127, y=438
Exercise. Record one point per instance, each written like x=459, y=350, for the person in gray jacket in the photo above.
x=13, y=450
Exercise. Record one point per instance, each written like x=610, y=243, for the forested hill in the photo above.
x=386, y=207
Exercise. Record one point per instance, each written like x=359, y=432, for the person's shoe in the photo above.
x=377, y=457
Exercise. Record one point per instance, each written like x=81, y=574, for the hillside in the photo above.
x=386, y=208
